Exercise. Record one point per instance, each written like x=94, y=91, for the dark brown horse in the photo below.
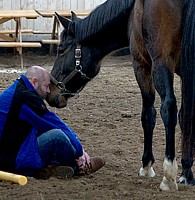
x=161, y=36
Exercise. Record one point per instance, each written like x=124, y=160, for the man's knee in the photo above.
x=53, y=136
x=59, y=135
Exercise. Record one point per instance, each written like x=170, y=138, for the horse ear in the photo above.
x=74, y=16
x=63, y=20
x=71, y=28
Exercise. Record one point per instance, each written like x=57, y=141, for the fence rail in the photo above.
x=43, y=24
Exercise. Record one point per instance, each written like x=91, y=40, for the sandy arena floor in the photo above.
x=106, y=118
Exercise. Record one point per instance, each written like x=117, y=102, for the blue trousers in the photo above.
x=55, y=148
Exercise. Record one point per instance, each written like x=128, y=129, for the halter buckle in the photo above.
x=61, y=86
x=77, y=62
x=77, y=53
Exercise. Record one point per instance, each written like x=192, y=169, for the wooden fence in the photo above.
x=43, y=24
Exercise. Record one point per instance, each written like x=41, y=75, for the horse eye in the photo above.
x=61, y=49
x=60, y=46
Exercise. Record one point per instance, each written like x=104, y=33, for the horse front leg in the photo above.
x=163, y=80
x=148, y=118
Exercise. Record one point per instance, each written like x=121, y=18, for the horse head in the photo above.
x=75, y=64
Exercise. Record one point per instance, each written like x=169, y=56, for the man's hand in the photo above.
x=83, y=162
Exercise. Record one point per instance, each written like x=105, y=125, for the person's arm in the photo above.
x=50, y=121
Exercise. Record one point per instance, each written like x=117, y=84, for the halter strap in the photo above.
x=78, y=69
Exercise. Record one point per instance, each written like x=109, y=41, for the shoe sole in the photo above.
x=62, y=172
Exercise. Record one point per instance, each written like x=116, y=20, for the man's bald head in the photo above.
x=40, y=80
x=36, y=71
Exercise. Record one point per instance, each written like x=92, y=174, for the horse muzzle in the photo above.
x=59, y=101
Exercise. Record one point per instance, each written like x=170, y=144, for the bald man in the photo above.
x=40, y=80
x=35, y=141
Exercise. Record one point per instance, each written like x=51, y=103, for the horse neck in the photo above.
x=108, y=48
x=107, y=40
x=106, y=28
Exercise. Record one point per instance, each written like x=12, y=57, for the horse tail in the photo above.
x=188, y=76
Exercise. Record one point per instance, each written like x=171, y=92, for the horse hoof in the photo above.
x=184, y=180
x=168, y=185
x=147, y=172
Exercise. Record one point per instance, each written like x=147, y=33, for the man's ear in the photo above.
x=34, y=81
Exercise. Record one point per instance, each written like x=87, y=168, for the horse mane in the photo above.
x=103, y=16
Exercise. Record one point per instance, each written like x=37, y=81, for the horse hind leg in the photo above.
x=148, y=118
x=187, y=156
x=187, y=174
x=163, y=80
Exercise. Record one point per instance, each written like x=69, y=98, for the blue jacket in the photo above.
x=23, y=117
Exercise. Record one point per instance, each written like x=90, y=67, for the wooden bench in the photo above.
x=50, y=41
x=13, y=38
x=20, y=44
x=42, y=32
x=10, y=32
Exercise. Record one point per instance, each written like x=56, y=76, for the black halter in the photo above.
x=78, y=69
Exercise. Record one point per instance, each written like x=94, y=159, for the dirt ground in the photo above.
x=106, y=118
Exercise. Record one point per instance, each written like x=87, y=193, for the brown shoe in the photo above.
x=55, y=171
x=96, y=163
